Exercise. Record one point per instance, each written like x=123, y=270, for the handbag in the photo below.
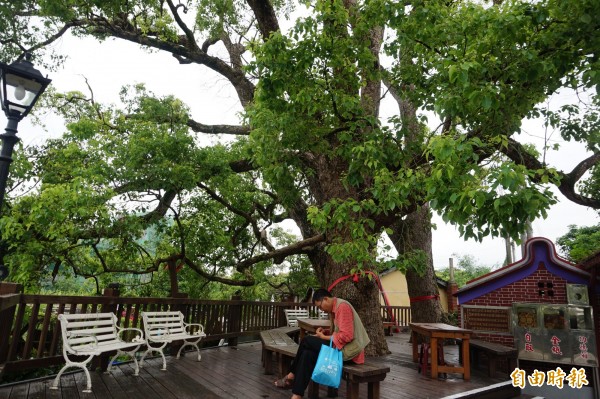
x=328, y=370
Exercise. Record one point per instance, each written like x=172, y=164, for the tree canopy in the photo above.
x=580, y=242
x=311, y=145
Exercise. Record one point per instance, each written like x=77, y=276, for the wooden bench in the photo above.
x=356, y=374
x=279, y=341
x=292, y=316
x=162, y=328
x=494, y=352
x=91, y=335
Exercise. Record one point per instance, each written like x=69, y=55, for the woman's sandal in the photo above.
x=284, y=383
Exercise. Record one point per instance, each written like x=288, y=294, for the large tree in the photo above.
x=312, y=146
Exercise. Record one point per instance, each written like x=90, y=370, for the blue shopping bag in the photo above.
x=328, y=370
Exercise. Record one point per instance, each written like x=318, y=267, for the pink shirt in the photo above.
x=344, y=320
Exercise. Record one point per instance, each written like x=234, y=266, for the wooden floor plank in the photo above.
x=131, y=384
x=37, y=390
x=99, y=390
x=237, y=372
x=68, y=387
x=155, y=384
x=5, y=392
x=233, y=379
x=52, y=393
x=111, y=384
x=180, y=384
x=19, y=391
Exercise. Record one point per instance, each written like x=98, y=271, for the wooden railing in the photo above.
x=401, y=314
x=30, y=331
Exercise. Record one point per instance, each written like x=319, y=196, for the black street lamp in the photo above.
x=20, y=87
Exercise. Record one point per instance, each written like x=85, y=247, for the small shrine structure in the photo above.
x=541, y=306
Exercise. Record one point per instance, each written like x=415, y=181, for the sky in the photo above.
x=109, y=65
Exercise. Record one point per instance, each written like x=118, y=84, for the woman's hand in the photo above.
x=320, y=332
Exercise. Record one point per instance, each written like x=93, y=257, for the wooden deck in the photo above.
x=236, y=372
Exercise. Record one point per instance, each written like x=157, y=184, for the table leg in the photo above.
x=466, y=359
x=373, y=391
x=313, y=390
x=434, y=358
x=352, y=390
x=415, y=346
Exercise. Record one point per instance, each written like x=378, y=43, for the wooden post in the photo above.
x=172, y=264
x=452, y=288
x=10, y=296
x=183, y=308
x=234, y=316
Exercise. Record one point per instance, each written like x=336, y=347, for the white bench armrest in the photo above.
x=200, y=330
x=138, y=338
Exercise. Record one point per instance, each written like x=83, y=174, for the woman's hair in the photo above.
x=319, y=294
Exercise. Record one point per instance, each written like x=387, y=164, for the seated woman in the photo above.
x=349, y=336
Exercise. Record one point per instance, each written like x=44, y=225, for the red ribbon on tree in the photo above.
x=424, y=298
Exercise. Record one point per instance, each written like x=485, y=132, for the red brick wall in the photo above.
x=525, y=290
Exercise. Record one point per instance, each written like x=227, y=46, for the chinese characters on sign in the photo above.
x=528, y=344
x=583, y=347
x=575, y=379
x=555, y=345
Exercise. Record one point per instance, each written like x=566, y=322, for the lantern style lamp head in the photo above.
x=21, y=86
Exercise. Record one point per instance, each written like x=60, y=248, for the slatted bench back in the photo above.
x=79, y=330
x=159, y=323
x=292, y=315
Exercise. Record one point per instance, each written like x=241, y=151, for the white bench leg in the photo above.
x=194, y=344
x=160, y=351
x=131, y=354
x=81, y=365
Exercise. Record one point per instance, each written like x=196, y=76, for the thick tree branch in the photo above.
x=218, y=129
x=280, y=254
x=191, y=41
x=213, y=277
x=243, y=86
x=163, y=206
x=265, y=16
x=248, y=217
x=519, y=155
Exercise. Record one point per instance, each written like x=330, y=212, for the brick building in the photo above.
x=539, y=299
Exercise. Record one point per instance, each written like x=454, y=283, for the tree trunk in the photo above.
x=172, y=264
x=364, y=294
x=414, y=233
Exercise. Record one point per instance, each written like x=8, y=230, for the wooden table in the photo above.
x=311, y=325
x=435, y=331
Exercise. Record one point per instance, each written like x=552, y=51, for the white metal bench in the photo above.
x=91, y=335
x=292, y=316
x=162, y=328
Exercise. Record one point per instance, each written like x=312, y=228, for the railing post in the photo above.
x=183, y=308
x=234, y=318
x=8, y=306
x=111, y=292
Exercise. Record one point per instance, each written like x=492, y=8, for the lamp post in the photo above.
x=20, y=87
